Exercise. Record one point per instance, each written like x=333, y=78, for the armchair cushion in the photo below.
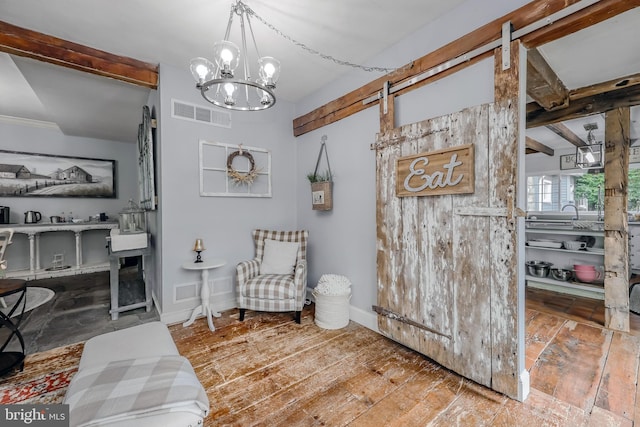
x=271, y=286
x=279, y=257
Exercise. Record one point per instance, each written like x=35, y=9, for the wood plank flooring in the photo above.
x=270, y=371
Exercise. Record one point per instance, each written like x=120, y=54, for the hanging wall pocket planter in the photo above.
x=321, y=183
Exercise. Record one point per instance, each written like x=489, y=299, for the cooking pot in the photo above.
x=31, y=217
x=55, y=219
x=538, y=268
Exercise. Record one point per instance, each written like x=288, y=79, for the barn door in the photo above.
x=447, y=264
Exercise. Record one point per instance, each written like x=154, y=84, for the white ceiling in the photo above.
x=172, y=32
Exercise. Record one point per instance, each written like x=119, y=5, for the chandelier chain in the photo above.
x=251, y=12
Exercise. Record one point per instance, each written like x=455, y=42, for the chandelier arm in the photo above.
x=228, y=32
x=247, y=73
x=253, y=37
x=301, y=45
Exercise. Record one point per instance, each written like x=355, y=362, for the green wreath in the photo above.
x=242, y=177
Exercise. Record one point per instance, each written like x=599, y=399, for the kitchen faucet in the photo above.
x=574, y=207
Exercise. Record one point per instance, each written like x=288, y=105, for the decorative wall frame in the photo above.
x=146, y=164
x=230, y=170
x=568, y=162
x=48, y=175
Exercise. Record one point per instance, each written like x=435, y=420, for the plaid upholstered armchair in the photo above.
x=276, y=279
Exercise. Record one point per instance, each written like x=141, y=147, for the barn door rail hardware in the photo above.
x=400, y=318
x=506, y=29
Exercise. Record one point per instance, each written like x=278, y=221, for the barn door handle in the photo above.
x=513, y=212
x=400, y=318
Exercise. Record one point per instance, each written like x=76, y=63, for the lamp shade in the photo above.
x=202, y=70
x=589, y=156
x=227, y=56
x=198, y=246
x=269, y=71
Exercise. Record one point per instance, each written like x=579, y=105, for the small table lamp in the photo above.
x=198, y=247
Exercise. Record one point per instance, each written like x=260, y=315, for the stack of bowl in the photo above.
x=586, y=273
x=561, y=274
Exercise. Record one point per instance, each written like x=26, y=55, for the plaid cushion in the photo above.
x=282, y=236
x=270, y=286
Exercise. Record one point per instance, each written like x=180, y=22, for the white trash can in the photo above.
x=332, y=296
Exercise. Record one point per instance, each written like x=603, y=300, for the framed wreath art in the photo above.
x=223, y=174
x=237, y=177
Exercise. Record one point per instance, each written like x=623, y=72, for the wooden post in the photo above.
x=616, y=224
x=507, y=299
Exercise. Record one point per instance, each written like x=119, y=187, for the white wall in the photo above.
x=539, y=163
x=343, y=241
x=21, y=136
x=224, y=223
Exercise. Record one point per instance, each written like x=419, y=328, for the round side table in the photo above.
x=205, y=293
x=10, y=359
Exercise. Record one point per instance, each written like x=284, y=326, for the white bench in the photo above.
x=139, y=342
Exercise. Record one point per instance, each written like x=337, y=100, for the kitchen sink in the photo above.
x=562, y=224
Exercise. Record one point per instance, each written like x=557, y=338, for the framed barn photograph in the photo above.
x=47, y=175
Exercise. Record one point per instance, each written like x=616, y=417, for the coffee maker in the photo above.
x=5, y=215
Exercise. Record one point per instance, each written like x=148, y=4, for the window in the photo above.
x=552, y=192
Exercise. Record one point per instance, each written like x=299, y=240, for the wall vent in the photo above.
x=196, y=113
x=185, y=292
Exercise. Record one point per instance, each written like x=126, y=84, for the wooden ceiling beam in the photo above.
x=564, y=132
x=608, y=86
x=533, y=146
x=42, y=47
x=591, y=90
x=585, y=18
x=581, y=105
x=530, y=13
x=543, y=84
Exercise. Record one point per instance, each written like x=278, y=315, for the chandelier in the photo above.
x=222, y=85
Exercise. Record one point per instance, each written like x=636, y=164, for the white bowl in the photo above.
x=574, y=245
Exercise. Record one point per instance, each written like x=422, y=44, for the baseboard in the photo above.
x=368, y=319
x=523, y=386
x=220, y=301
x=227, y=300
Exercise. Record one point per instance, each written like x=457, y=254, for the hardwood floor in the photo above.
x=268, y=370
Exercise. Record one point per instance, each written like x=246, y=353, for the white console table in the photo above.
x=33, y=232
